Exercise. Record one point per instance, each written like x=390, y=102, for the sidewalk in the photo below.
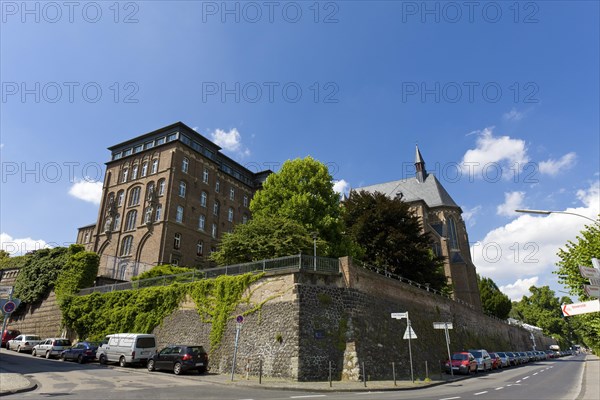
x=12, y=382
x=590, y=386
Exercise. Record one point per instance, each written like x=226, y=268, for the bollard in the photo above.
x=247, y=369
x=364, y=376
x=394, y=372
x=260, y=371
x=426, y=371
x=329, y=373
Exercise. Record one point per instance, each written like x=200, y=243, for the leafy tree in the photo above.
x=39, y=273
x=581, y=252
x=389, y=235
x=494, y=302
x=79, y=271
x=162, y=270
x=302, y=191
x=263, y=237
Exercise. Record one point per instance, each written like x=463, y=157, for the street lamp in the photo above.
x=547, y=212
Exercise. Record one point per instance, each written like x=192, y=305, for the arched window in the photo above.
x=182, y=187
x=177, y=241
x=144, y=168
x=130, y=220
x=214, y=230
x=149, y=191
x=203, y=199
x=185, y=163
x=126, y=246
x=161, y=187
x=134, y=172
x=452, y=235
x=148, y=215
x=158, y=215
x=179, y=214
x=134, y=196
x=205, y=175
x=120, y=197
x=216, y=208
x=218, y=186
x=199, y=247
x=230, y=214
x=232, y=193
x=124, y=175
x=117, y=223
x=154, y=166
x=244, y=219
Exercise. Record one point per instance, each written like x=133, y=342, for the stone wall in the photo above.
x=42, y=318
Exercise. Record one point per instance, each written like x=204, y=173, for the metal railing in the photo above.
x=296, y=262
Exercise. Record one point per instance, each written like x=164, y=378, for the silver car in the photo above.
x=51, y=347
x=484, y=361
x=23, y=343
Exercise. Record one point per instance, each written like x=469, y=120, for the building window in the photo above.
x=232, y=193
x=148, y=215
x=130, y=220
x=149, y=191
x=117, y=223
x=177, y=241
x=120, y=197
x=126, y=246
x=154, y=166
x=174, y=260
x=216, y=208
x=202, y=222
x=452, y=236
x=244, y=219
x=179, y=214
x=185, y=163
x=86, y=237
x=218, y=186
x=203, y=199
x=182, y=187
x=158, y=215
x=138, y=148
x=148, y=145
x=134, y=172
x=214, y=230
x=160, y=141
x=124, y=175
x=245, y=200
x=199, y=247
x=161, y=187
x=134, y=196
x=230, y=214
x=144, y=169
x=205, y=176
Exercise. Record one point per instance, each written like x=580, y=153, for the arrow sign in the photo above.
x=592, y=291
x=588, y=272
x=409, y=333
x=580, y=308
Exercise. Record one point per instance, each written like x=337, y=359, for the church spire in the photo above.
x=420, y=166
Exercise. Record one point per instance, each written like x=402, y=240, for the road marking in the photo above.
x=450, y=398
x=501, y=387
x=535, y=373
x=477, y=394
x=519, y=381
x=308, y=396
x=526, y=378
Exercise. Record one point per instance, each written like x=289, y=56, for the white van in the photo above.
x=127, y=348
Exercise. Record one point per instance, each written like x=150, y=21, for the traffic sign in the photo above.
x=239, y=319
x=588, y=272
x=400, y=315
x=409, y=333
x=5, y=291
x=581, y=308
x=442, y=325
x=9, y=307
x=592, y=291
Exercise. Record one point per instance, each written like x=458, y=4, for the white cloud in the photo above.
x=553, y=167
x=87, y=190
x=230, y=141
x=526, y=247
x=469, y=215
x=512, y=201
x=16, y=246
x=341, y=186
x=494, y=154
x=514, y=115
x=516, y=291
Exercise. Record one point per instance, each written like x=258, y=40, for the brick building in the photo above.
x=167, y=197
x=442, y=218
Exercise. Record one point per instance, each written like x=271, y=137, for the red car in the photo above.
x=9, y=334
x=496, y=361
x=462, y=362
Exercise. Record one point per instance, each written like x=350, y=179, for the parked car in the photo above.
x=484, y=361
x=496, y=361
x=127, y=348
x=513, y=358
x=7, y=335
x=504, y=359
x=180, y=358
x=51, y=347
x=462, y=362
x=82, y=352
x=23, y=343
x=549, y=353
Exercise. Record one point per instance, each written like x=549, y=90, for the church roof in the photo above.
x=430, y=191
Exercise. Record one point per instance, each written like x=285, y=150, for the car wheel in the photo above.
x=80, y=359
x=62, y=357
x=102, y=359
x=33, y=353
x=177, y=368
x=122, y=362
x=47, y=354
x=150, y=365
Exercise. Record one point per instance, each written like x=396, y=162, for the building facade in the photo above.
x=167, y=198
x=442, y=218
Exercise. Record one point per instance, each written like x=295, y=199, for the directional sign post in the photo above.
x=593, y=274
x=445, y=326
x=407, y=335
x=581, y=308
x=238, y=326
x=8, y=307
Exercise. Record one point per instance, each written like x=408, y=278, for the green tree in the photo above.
x=302, y=191
x=387, y=234
x=162, y=270
x=494, y=302
x=263, y=237
x=581, y=252
x=78, y=272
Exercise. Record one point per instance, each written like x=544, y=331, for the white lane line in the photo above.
x=450, y=398
x=499, y=388
x=477, y=394
x=308, y=396
x=526, y=378
x=519, y=381
x=535, y=373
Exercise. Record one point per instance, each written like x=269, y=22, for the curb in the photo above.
x=32, y=386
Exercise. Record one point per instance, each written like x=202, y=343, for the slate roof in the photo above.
x=430, y=191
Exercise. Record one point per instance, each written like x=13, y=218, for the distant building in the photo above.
x=168, y=197
x=442, y=218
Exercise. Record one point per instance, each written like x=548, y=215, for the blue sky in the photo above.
x=502, y=98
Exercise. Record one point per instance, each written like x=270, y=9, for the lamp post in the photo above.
x=548, y=212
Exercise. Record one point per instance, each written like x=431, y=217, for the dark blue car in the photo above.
x=82, y=352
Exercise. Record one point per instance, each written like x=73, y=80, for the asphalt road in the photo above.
x=548, y=380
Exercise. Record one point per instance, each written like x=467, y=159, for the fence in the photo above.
x=296, y=262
